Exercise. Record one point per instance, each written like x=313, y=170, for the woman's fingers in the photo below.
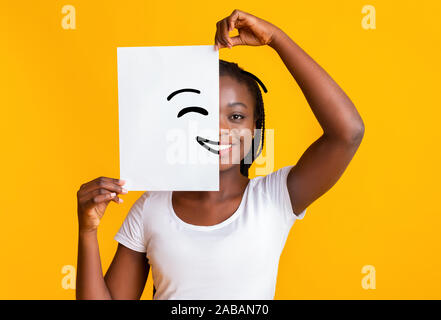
x=233, y=19
x=118, y=200
x=106, y=196
x=93, y=199
x=216, y=41
x=236, y=41
x=100, y=190
x=224, y=33
x=102, y=198
x=219, y=44
x=219, y=41
x=236, y=19
x=111, y=184
x=253, y=31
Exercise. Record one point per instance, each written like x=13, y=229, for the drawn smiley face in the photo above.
x=216, y=147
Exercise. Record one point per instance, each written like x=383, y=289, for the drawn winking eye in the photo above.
x=188, y=109
x=193, y=109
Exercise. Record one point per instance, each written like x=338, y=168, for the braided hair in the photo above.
x=233, y=70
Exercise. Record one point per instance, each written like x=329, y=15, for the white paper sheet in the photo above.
x=158, y=149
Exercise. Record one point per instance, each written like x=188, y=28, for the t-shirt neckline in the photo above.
x=233, y=217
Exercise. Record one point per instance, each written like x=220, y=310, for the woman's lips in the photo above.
x=216, y=147
x=226, y=150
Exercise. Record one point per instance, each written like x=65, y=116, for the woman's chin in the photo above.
x=229, y=161
x=227, y=166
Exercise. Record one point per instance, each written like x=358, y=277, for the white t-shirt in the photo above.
x=235, y=259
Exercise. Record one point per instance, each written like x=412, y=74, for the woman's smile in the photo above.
x=216, y=147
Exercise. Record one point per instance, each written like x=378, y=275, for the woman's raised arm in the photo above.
x=325, y=160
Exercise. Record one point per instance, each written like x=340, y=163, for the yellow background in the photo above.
x=59, y=129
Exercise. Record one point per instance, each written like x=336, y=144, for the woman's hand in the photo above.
x=253, y=31
x=93, y=198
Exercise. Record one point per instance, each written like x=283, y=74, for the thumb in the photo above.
x=236, y=41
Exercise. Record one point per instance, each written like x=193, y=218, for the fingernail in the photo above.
x=121, y=200
x=122, y=181
x=124, y=190
x=113, y=194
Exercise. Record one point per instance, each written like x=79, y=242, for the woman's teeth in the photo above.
x=224, y=146
x=214, y=146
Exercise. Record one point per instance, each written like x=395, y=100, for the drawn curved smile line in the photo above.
x=203, y=142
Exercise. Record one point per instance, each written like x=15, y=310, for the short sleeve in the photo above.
x=276, y=185
x=131, y=232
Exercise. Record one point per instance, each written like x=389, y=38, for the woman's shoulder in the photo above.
x=152, y=194
x=150, y=198
x=273, y=188
x=272, y=182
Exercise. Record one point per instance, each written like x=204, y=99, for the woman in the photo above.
x=224, y=244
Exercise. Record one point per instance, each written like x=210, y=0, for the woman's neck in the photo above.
x=231, y=184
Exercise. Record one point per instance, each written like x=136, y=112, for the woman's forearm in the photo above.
x=90, y=282
x=333, y=109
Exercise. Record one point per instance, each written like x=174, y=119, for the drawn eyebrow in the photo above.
x=180, y=91
x=192, y=109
